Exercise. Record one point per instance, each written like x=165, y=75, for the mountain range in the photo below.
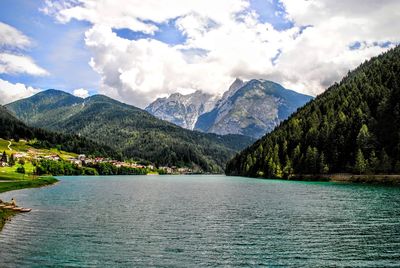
x=250, y=108
x=353, y=127
x=132, y=132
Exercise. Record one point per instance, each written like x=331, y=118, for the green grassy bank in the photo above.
x=29, y=183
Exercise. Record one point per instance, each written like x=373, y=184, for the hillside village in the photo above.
x=21, y=154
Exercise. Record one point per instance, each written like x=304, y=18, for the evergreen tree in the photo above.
x=271, y=168
x=373, y=163
x=323, y=167
x=4, y=157
x=364, y=139
x=11, y=161
x=288, y=169
x=397, y=167
x=278, y=171
x=385, y=163
x=311, y=160
x=297, y=157
x=360, y=163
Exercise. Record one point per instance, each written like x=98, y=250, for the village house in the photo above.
x=19, y=155
x=184, y=170
x=167, y=170
x=99, y=160
x=88, y=161
x=75, y=161
x=52, y=157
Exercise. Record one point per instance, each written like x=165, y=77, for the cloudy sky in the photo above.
x=138, y=50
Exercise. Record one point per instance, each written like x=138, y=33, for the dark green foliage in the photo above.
x=4, y=157
x=12, y=128
x=59, y=168
x=11, y=161
x=20, y=184
x=352, y=127
x=21, y=169
x=131, y=131
x=361, y=164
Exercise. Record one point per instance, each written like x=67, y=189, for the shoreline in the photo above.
x=9, y=185
x=370, y=179
x=373, y=179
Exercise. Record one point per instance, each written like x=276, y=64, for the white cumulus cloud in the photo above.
x=10, y=92
x=322, y=55
x=11, y=37
x=17, y=64
x=81, y=93
x=11, y=62
x=226, y=39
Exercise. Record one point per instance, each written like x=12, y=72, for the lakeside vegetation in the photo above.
x=353, y=127
x=25, y=183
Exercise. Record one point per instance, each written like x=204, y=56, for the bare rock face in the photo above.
x=182, y=110
x=253, y=109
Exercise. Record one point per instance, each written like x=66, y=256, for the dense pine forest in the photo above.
x=353, y=127
x=12, y=128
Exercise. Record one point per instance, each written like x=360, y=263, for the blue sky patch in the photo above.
x=167, y=33
x=58, y=48
x=271, y=11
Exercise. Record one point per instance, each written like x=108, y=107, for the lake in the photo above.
x=192, y=221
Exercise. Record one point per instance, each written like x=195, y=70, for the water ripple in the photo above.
x=191, y=221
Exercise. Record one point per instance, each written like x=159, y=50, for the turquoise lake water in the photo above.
x=196, y=221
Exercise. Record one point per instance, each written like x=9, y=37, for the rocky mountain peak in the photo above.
x=182, y=110
x=253, y=109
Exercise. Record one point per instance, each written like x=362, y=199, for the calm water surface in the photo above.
x=192, y=221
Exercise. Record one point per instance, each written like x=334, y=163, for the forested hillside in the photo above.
x=352, y=127
x=131, y=131
x=12, y=128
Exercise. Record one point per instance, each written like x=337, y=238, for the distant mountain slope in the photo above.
x=182, y=110
x=353, y=127
x=252, y=109
x=13, y=128
x=130, y=130
x=42, y=106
